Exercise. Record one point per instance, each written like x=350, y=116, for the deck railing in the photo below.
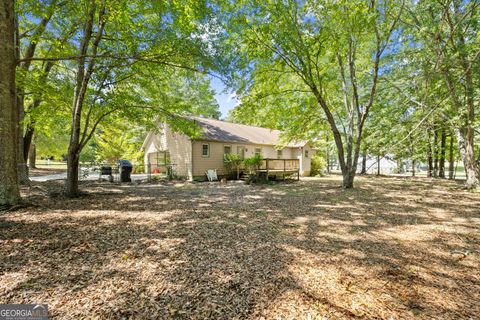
x=279, y=167
x=280, y=164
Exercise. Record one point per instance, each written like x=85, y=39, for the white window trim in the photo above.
x=255, y=151
x=208, y=149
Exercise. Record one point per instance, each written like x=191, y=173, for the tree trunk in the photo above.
x=464, y=104
x=9, y=191
x=22, y=169
x=364, y=163
x=83, y=76
x=73, y=164
x=430, y=159
x=32, y=156
x=443, y=142
x=27, y=142
x=21, y=163
x=22, y=152
x=327, y=156
x=413, y=167
x=30, y=130
x=348, y=178
x=378, y=165
x=466, y=147
x=451, y=159
x=400, y=166
x=435, y=153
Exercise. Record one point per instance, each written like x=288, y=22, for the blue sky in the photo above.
x=226, y=100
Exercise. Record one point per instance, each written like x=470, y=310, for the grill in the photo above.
x=106, y=170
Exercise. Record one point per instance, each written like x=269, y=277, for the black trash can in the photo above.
x=125, y=169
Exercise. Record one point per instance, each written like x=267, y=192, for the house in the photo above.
x=192, y=157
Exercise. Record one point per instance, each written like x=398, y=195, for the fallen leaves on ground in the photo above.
x=392, y=248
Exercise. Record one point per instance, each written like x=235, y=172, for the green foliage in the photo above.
x=253, y=163
x=232, y=163
x=311, y=69
x=318, y=165
x=307, y=67
x=89, y=153
x=115, y=142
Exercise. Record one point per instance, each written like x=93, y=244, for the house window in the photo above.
x=205, y=150
x=306, y=153
x=258, y=151
x=279, y=154
x=227, y=149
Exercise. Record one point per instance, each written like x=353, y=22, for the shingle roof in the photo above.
x=217, y=130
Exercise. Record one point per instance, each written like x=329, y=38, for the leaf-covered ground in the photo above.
x=390, y=249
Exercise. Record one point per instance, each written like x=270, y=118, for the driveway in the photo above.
x=92, y=176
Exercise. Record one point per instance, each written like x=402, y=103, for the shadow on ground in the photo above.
x=397, y=248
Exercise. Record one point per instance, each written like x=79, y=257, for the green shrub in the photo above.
x=318, y=165
x=232, y=162
x=253, y=163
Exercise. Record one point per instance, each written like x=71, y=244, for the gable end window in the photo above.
x=306, y=153
x=205, y=150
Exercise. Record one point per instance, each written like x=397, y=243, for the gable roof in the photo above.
x=223, y=131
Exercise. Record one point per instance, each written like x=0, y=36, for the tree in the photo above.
x=44, y=31
x=102, y=66
x=448, y=31
x=30, y=42
x=327, y=50
x=9, y=192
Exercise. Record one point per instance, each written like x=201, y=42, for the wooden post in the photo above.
x=284, y=168
x=266, y=164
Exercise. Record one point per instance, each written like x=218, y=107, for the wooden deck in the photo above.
x=279, y=167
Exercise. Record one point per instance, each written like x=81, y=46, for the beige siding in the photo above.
x=177, y=144
x=152, y=146
x=305, y=162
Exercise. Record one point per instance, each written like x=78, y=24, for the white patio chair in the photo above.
x=212, y=174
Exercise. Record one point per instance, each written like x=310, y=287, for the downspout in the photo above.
x=301, y=161
x=192, y=141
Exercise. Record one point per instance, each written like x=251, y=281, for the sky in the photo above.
x=226, y=100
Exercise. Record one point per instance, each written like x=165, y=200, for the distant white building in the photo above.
x=387, y=166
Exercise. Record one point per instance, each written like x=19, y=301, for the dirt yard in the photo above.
x=393, y=248
x=37, y=172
